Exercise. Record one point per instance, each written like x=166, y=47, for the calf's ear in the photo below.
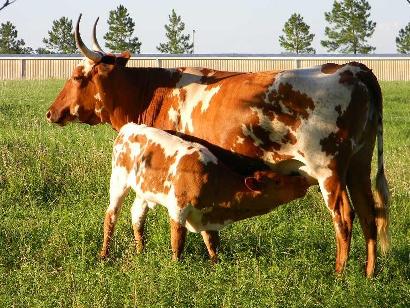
x=253, y=184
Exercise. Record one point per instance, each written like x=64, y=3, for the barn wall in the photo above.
x=385, y=68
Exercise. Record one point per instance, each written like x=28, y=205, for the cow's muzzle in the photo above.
x=53, y=116
x=60, y=118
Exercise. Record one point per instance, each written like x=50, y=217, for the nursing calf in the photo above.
x=200, y=193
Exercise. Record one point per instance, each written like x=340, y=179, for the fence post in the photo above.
x=23, y=69
x=296, y=63
x=159, y=63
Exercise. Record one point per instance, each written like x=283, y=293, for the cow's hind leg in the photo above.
x=359, y=185
x=118, y=191
x=337, y=201
x=211, y=240
x=139, y=212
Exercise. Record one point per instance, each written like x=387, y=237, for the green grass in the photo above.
x=54, y=192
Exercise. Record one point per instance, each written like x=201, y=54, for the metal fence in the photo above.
x=392, y=67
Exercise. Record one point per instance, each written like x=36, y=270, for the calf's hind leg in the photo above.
x=211, y=240
x=118, y=191
x=139, y=210
x=337, y=200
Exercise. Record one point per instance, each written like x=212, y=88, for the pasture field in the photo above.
x=54, y=192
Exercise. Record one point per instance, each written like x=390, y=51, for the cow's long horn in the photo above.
x=92, y=55
x=96, y=46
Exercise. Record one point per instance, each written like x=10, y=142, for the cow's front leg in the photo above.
x=211, y=240
x=178, y=234
x=139, y=212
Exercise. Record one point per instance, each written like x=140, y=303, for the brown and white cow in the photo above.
x=321, y=122
x=199, y=192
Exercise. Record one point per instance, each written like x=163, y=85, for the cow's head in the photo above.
x=85, y=96
x=278, y=187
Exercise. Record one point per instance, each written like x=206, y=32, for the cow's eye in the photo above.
x=277, y=182
x=77, y=78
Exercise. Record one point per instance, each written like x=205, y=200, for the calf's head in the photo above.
x=277, y=187
x=86, y=95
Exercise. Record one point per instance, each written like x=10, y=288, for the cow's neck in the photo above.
x=139, y=95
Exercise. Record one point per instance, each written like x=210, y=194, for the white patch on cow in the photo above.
x=208, y=97
x=167, y=200
x=277, y=129
x=195, y=93
x=151, y=205
x=173, y=115
x=99, y=110
x=98, y=97
x=87, y=66
x=249, y=133
x=74, y=110
x=139, y=211
x=240, y=140
x=118, y=188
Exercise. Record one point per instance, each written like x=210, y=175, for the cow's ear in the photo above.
x=123, y=58
x=253, y=184
x=104, y=69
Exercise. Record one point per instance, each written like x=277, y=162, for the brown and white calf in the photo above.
x=200, y=192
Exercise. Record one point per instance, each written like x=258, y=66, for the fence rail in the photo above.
x=387, y=68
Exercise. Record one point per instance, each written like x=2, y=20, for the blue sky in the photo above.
x=221, y=26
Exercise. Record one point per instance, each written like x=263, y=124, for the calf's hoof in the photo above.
x=139, y=247
x=176, y=258
x=214, y=260
x=103, y=255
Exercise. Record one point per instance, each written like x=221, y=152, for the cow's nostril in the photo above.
x=48, y=115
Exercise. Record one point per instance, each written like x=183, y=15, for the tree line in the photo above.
x=348, y=30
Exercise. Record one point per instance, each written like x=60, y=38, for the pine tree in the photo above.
x=350, y=27
x=61, y=37
x=42, y=51
x=119, y=36
x=403, y=40
x=296, y=38
x=9, y=44
x=178, y=43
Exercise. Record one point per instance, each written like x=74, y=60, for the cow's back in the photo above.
x=274, y=116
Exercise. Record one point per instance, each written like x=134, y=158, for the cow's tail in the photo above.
x=382, y=195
